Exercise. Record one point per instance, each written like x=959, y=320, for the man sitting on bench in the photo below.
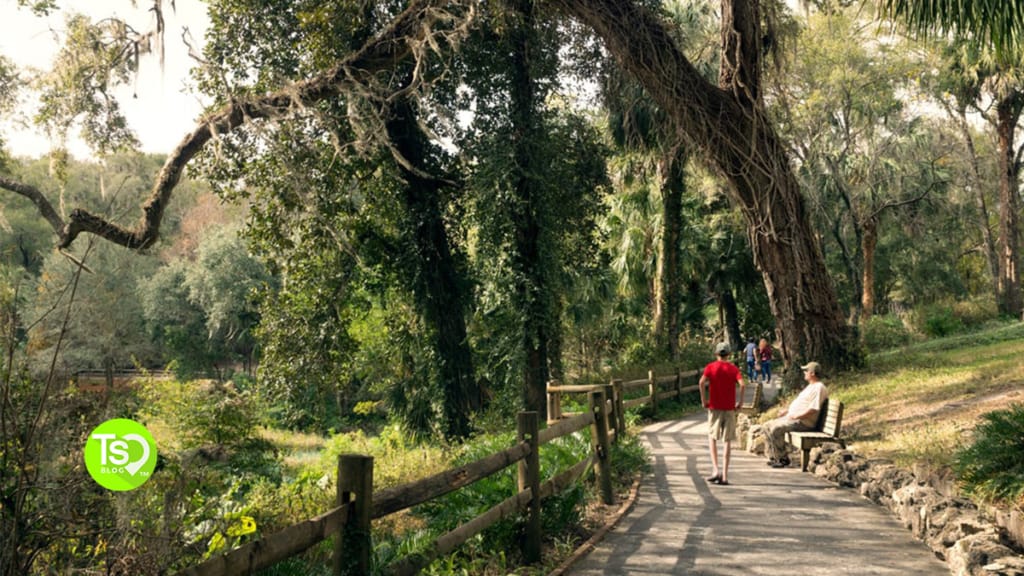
x=800, y=416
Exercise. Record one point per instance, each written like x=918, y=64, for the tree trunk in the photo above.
x=694, y=304
x=555, y=345
x=869, y=241
x=532, y=287
x=851, y=261
x=669, y=288
x=731, y=127
x=991, y=255
x=437, y=286
x=732, y=319
x=1007, y=113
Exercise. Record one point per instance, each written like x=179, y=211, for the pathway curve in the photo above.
x=766, y=522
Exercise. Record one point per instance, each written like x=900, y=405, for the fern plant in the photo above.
x=992, y=467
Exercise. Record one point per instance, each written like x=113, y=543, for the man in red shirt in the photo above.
x=720, y=378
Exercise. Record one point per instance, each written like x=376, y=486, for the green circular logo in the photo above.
x=120, y=454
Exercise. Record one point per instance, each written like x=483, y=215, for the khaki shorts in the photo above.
x=722, y=424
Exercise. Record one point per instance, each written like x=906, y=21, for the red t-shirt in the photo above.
x=722, y=378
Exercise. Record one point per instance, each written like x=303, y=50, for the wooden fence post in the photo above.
x=652, y=384
x=620, y=410
x=529, y=477
x=554, y=402
x=679, y=385
x=601, y=446
x=352, y=548
x=613, y=419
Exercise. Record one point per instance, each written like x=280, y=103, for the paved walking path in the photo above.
x=766, y=522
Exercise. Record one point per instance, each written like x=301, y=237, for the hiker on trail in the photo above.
x=751, y=354
x=764, y=356
x=801, y=415
x=720, y=378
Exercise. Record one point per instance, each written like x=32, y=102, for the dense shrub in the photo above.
x=991, y=467
x=396, y=459
x=938, y=321
x=976, y=312
x=202, y=412
x=884, y=332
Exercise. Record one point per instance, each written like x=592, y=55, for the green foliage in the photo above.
x=991, y=466
x=938, y=321
x=203, y=311
x=215, y=421
x=629, y=459
x=983, y=23
x=992, y=335
x=559, y=512
x=104, y=323
x=222, y=282
x=976, y=312
x=25, y=238
x=95, y=58
x=398, y=458
x=883, y=332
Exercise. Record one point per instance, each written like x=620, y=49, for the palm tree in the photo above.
x=991, y=31
x=995, y=23
x=638, y=124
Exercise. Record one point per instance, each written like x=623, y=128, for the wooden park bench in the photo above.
x=830, y=420
x=755, y=405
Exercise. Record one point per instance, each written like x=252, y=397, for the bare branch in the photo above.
x=896, y=204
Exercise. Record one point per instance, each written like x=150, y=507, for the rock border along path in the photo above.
x=766, y=522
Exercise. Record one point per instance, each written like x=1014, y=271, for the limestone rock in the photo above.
x=882, y=480
x=971, y=555
x=755, y=440
x=839, y=465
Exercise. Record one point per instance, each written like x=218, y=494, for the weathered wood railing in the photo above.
x=618, y=390
x=358, y=505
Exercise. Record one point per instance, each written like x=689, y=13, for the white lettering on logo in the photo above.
x=116, y=451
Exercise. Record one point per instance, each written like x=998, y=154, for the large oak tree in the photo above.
x=726, y=121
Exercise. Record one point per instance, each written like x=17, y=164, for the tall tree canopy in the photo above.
x=725, y=121
x=989, y=34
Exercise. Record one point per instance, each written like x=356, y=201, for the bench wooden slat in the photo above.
x=834, y=418
x=755, y=405
x=829, y=424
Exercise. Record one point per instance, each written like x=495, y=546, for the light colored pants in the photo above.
x=722, y=424
x=775, y=436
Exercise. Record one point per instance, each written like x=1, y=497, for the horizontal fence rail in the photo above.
x=399, y=498
x=618, y=389
x=281, y=545
x=357, y=504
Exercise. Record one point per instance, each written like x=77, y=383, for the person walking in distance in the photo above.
x=718, y=394
x=799, y=416
x=764, y=356
x=750, y=352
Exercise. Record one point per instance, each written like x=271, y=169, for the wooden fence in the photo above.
x=619, y=390
x=358, y=504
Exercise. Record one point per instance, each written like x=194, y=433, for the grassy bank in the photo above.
x=919, y=404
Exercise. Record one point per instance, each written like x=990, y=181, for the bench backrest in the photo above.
x=830, y=418
x=758, y=394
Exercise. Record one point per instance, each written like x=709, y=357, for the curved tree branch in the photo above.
x=36, y=196
x=393, y=44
